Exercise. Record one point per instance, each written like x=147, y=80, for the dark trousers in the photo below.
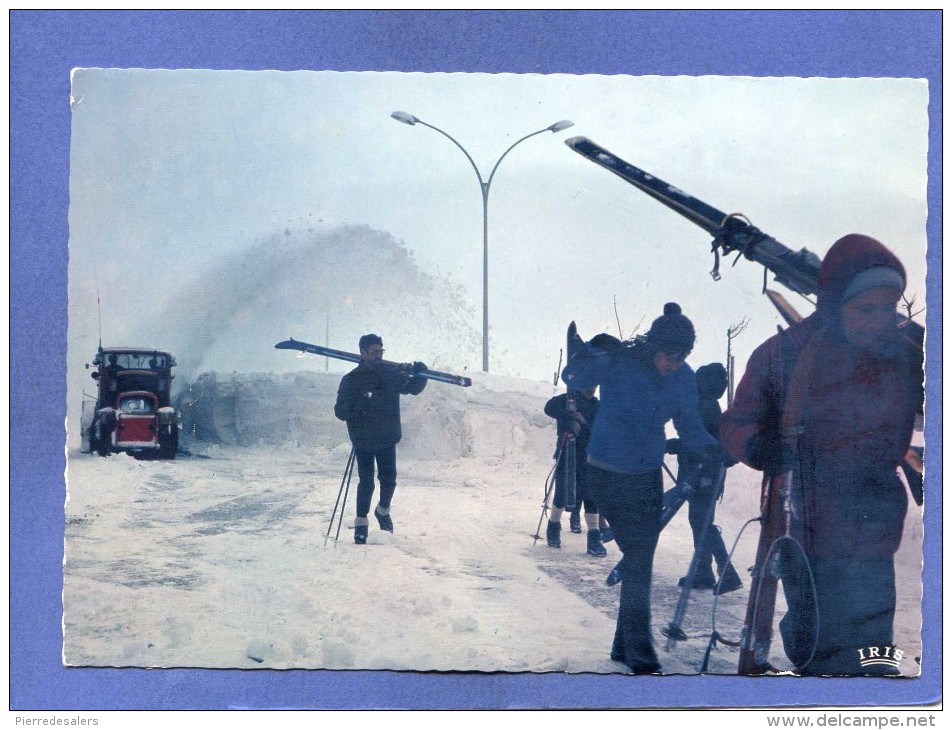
x=855, y=601
x=632, y=505
x=700, y=506
x=386, y=461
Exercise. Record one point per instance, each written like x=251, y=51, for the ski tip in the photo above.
x=573, y=141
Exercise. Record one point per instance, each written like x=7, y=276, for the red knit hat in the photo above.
x=850, y=256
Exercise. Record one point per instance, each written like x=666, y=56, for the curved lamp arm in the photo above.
x=407, y=118
x=557, y=127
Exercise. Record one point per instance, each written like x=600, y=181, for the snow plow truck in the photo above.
x=132, y=411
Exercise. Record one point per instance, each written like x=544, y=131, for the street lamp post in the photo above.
x=407, y=118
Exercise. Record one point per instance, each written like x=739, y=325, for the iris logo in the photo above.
x=883, y=656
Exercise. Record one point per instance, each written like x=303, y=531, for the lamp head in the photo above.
x=407, y=118
x=559, y=126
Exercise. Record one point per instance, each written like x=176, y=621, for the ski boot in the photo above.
x=595, y=546
x=384, y=521
x=730, y=581
x=360, y=534
x=614, y=577
x=703, y=579
x=575, y=523
x=553, y=534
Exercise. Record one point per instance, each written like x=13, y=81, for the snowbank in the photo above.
x=495, y=419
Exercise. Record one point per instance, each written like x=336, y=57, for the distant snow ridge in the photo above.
x=326, y=287
x=492, y=423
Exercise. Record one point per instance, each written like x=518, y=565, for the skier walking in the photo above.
x=642, y=387
x=711, y=385
x=833, y=399
x=368, y=399
x=577, y=421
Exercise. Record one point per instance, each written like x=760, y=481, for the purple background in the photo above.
x=45, y=45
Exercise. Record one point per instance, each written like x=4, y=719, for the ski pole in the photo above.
x=673, y=630
x=758, y=624
x=350, y=459
x=549, y=482
x=340, y=518
x=669, y=472
x=775, y=511
x=345, y=479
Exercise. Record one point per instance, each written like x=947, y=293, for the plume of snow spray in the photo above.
x=334, y=285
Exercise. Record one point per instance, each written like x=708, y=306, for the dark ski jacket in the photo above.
x=711, y=385
x=557, y=408
x=368, y=399
x=857, y=409
x=636, y=402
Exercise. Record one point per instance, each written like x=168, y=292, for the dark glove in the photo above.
x=712, y=458
x=606, y=343
x=362, y=406
x=360, y=403
x=672, y=446
x=769, y=453
x=419, y=367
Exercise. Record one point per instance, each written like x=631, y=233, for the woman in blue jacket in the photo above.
x=643, y=385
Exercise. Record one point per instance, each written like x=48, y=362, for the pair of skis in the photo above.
x=570, y=450
x=797, y=270
x=448, y=378
x=673, y=630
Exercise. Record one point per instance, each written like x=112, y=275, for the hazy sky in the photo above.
x=172, y=170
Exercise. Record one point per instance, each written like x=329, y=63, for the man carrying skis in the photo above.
x=642, y=387
x=711, y=384
x=578, y=422
x=368, y=399
x=832, y=402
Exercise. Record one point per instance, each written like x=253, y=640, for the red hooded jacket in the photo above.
x=856, y=407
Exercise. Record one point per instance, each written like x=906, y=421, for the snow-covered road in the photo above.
x=221, y=559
